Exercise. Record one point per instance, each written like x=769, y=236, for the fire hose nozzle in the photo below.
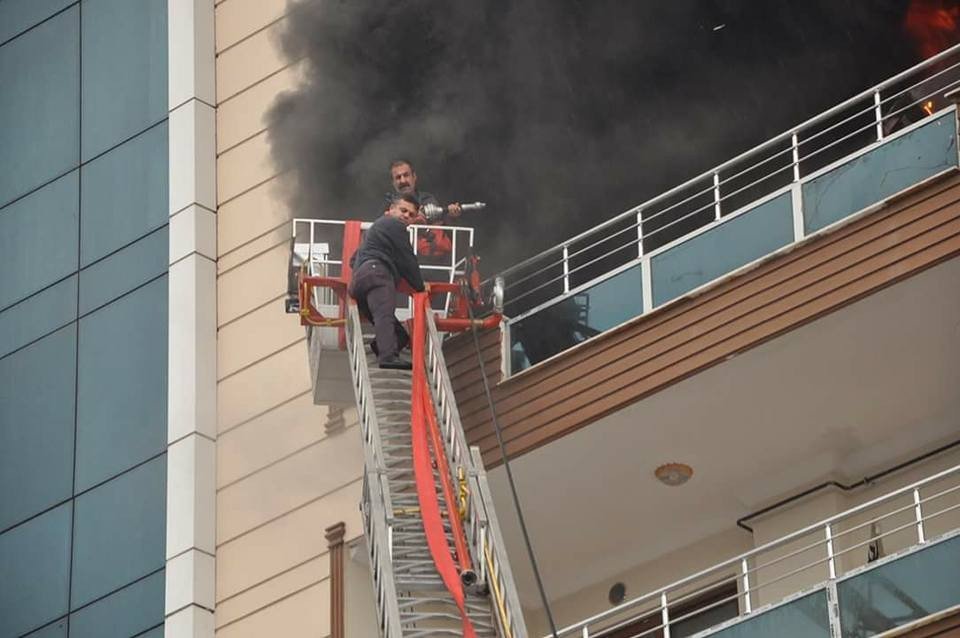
x=433, y=212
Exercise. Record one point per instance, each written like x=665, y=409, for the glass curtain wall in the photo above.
x=83, y=317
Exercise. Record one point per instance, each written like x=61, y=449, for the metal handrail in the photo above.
x=375, y=502
x=738, y=568
x=640, y=237
x=825, y=115
x=483, y=532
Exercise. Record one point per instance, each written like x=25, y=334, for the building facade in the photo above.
x=106, y=415
x=165, y=469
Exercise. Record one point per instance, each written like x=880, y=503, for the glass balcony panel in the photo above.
x=577, y=318
x=902, y=591
x=721, y=249
x=880, y=173
x=804, y=617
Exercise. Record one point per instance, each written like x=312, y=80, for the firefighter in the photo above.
x=383, y=258
x=432, y=242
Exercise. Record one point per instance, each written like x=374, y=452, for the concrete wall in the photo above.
x=281, y=477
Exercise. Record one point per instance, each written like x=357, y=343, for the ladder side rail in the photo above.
x=366, y=411
x=375, y=500
x=495, y=555
x=485, y=539
x=376, y=529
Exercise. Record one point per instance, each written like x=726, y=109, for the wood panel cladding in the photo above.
x=819, y=276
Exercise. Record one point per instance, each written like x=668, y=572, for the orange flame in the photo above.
x=933, y=24
x=928, y=107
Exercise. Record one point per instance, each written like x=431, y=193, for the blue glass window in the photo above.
x=36, y=426
x=35, y=563
x=38, y=239
x=124, y=195
x=38, y=315
x=16, y=16
x=122, y=384
x=130, y=611
x=119, y=531
x=40, y=76
x=124, y=70
x=56, y=629
x=124, y=270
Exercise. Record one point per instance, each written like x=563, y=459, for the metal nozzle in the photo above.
x=433, y=212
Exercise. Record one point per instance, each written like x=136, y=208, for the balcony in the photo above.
x=887, y=564
x=801, y=185
x=782, y=321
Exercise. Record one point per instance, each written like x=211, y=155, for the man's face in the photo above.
x=404, y=211
x=404, y=179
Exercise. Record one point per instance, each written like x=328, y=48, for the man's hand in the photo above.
x=454, y=210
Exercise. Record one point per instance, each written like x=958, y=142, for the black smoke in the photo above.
x=558, y=113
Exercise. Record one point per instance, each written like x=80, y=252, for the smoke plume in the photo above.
x=558, y=113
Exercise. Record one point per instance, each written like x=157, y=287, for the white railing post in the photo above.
x=918, y=512
x=795, y=154
x=745, y=579
x=878, y=114
x=639, y=234
x=716, y=195
x=566, y=269
x=831, y=560
x=665, y=615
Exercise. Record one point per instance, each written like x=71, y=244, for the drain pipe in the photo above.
x=867, y=480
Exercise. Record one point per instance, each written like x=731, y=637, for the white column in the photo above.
x=192, y=346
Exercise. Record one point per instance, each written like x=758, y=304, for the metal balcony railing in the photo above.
x=881, y=565
x=791, y=187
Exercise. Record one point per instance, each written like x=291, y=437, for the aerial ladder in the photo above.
x=435, y=549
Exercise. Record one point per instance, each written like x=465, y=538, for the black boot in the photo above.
x=396, y=363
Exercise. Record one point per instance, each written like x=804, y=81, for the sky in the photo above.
x=563, y=113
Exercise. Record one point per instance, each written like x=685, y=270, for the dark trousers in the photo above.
x=373, y=287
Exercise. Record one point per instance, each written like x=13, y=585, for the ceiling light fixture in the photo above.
x=673, y=474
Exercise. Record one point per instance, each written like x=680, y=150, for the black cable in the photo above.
x=506, y=466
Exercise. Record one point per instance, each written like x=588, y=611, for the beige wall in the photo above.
x=281, y=478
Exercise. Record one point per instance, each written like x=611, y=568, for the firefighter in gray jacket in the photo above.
x=384, y=257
